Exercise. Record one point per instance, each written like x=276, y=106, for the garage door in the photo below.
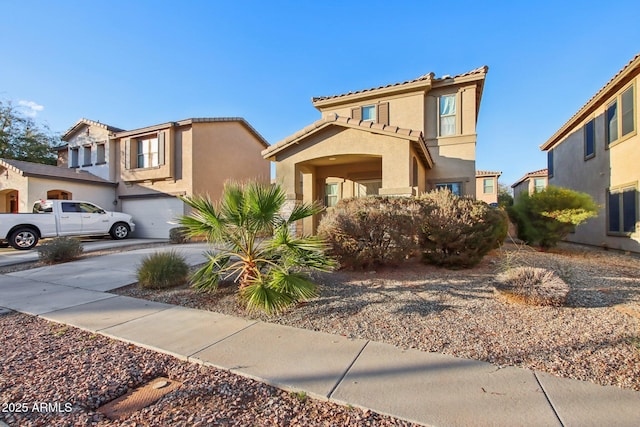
x=154, y=217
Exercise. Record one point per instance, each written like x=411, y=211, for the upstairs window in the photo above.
x=488, y=186
x=620, y=116
x=550, y=163
x=86, y=154
x=369, y=113
x=74, y=163
x=147, y=153
x=447, y=115
x=101, y=157
x=589, y=139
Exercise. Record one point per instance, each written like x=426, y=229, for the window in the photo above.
x=331, y=195
x=622, y=210
x=488, y=186
x=369, y=113
x=101, y=154
x=620, y=123
x=86, y=156
x=589, y=139
x=550, y=163
x=447, y=115
x=454, y=187
x=147, y=153
x=414, y=172
x=368, y=187
x=627, y=113
x=74, y=158
x=539, y=184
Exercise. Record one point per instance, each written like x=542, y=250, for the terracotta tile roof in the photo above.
x=54, y=172
x=534, y=174
x=593, y=102
x=425, y=77
x=488, y=173
x=88, y=122
x=335, y=120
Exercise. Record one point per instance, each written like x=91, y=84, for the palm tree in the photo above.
x=252, y=244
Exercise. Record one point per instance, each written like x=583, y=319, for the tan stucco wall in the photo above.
x=226, y=151
x=610, y=169
x=405, y=110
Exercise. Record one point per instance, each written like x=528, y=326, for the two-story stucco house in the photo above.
x=487, y=186
x=140, y=172
x=531, y=182
x=597, y=152
x=400, y=139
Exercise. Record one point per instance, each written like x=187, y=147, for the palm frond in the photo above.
x=303, y=210
x=207, y=277
x=258, y=296
x=296, y=285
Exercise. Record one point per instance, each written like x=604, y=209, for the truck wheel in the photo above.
x=23, y=238
x=119, y=231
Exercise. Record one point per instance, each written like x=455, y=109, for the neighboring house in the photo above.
x=531, y=182
x=598, y=152
x=22, y=183
x=401, y=139
x=194, y=156
x=140, y=172
x=487, y=186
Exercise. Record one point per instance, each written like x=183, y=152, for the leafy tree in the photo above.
x=252, y=244
x=504, y=196
x=546, y=217
x=22, y=139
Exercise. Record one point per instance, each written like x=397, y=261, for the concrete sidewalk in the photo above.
x=426, y=388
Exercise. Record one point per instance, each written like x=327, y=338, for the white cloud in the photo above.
x=30, y=108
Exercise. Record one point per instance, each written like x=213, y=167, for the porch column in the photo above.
x=396, y=171
x=309, y=195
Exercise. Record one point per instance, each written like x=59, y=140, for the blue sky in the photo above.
x=132, y=64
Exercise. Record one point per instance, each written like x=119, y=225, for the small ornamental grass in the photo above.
x=60, y=249
x=534, y=286
x=163, y=270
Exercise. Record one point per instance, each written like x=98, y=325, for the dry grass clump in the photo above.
x=534, y=286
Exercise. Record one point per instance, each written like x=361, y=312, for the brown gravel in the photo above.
x=595, y=337
x=73, y=373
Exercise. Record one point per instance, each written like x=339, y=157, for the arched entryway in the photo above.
x=9, y=201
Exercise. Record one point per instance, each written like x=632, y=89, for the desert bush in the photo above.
x=162, y=270
x=178, y=235
x=374, y=230
x=60, y=249
x=457, y=232
x=546, y=217
x=531, y=285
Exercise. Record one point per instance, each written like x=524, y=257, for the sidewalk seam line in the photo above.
x=342, y=377
x=190, y=356
x=546, y=396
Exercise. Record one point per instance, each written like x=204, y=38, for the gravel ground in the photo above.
x=74, y=372
x=595, y=337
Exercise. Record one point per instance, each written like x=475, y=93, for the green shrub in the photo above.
x=530, y=285
x=458, y=231
x=546, y=217
x=373, y=230
x=178, y=235
x=60, y=249
x=163, y=270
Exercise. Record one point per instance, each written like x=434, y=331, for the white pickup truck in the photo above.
x=52, y=218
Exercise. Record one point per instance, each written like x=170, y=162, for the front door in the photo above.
x=94, y=219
